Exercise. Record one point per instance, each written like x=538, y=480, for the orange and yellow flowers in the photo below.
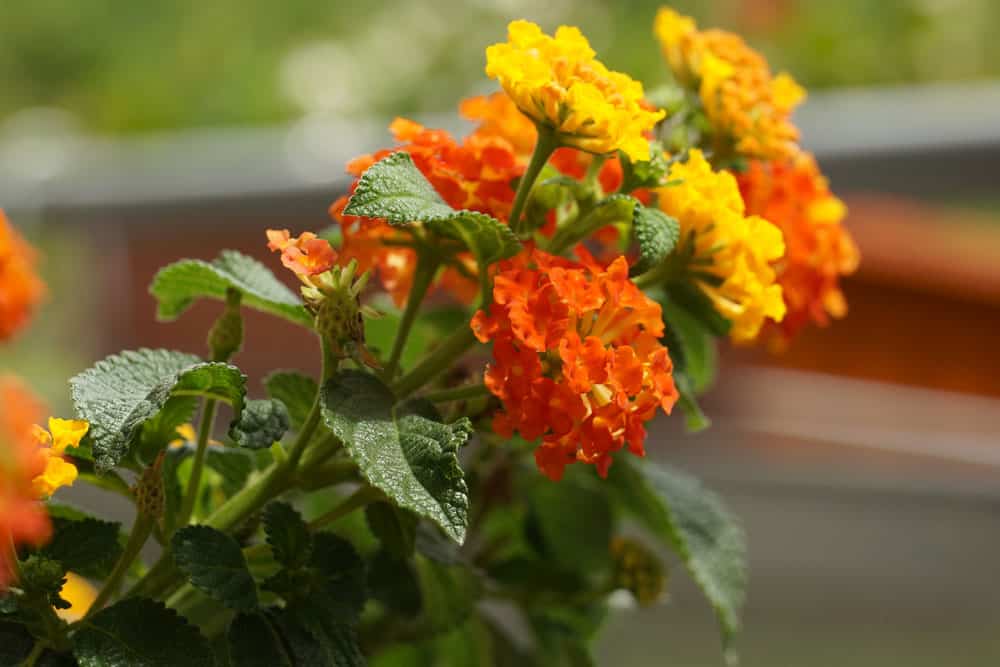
x=305, y=255
x=20, y=287
x=558, y=83
x=52, y=444
x=795, y=196
x=577, y=358
x=749, y=109
x=732, y=254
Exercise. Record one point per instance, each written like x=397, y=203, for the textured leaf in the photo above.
x=694, y=522
x=122, y=392
x=572, y=543
x=316, y=640
x=394, y=189
x=253, y=642
x=296, y=391
x=410, y=458
x=162, y=429
x=657, y=234
x=178, y=285
x=392, y=580
x=214, y=563
x=287, y=535
x=138, y=632
x=262, y=423
x=339, y=587
x=394, y=527
x=88, y=546
x=489, y=239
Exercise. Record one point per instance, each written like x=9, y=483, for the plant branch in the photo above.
x=364, y=495
x=547, y=143
x=440, y=359
x=140, y=533
x=194, y=481
x=423, y=276
x=477, y=390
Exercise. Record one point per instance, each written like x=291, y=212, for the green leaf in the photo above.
x=214, y=563
x=657, y=234
x=410, y=458
x=692, y=346
x=449, y=594
x=287, y=535
x=694, y=522
x=580, y=545
x=15, y=643
x=253, y=642
x=694, y=418
x=161, y=430
x=262, y=423
x=296, y=391
x=339, y=587
x=316, y=640
x=698, y=305
x=124, y=391
x=489, y=239
x=395, y=528
x=138, y=632
x=89, y=547
x=392, y=580
x=178, y=285
x=395, y=190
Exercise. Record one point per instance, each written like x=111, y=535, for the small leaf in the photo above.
x=214, y=563
x=486, y=237
x=296, y=391
x=287, y=535
x=692, y=346
x=698, y=305
x=340, y=585
x=119, y=394
x=232, y=465
x=317, y=640
x=392, y=580
x=161, y=430
x=253, y=642
x=261, y=424
x=395, y=190
x=394, y=527
x=88, y=546
x=178, y=285
x=449, y=594
x=580, y=545
x=138, y=632
x=694, y=417
x=695, y=523
x=657, y=234
x=410, y=458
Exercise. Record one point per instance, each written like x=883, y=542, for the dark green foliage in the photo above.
x=296, y=391
x=253, y=642
x=261, y=425
x=287, y=534
x=214, y=563
x=86, y=546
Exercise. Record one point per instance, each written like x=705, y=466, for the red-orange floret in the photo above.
x=305, y=255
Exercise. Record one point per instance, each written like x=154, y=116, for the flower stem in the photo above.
x=477, y=390
x=364, y=495
x=436, y=362
x=194, y=482
x=546, y=145
x=140, y=533
x=423, y=275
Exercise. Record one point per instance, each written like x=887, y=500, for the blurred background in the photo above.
x=864, y=460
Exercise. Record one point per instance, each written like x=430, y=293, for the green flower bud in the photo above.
x=638, y=570
x=226, y=336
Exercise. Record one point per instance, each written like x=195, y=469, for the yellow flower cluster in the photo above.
x=58, y=471
x=732, y=252
x=559, y=84
x=749, y=108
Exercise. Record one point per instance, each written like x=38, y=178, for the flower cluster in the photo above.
x=20, y=287
x=730, y=253
x=819, y=250
x=52, y=445
x=748, y=108
x=577, y=358
x=558, y=83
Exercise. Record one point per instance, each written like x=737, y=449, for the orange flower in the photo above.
x=474, y=175
x=577, y=358
x=20, y=287
x=23, y=519
x=795, y=196
x=305, y=255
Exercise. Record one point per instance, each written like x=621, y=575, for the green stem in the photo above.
x=569, y=235
x=477, y=390
x=423, y=276
x=327, y=474
x=320, y=452
x=36, y=653
x=194, y=482
x=364, y=495
x=140, y=533
x=547, y=143
x=441, y=358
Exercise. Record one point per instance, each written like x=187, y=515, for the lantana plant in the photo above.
x=461, y=479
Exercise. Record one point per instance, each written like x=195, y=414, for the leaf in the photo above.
x=178, y=285
x=692, y=346
x=657, y=234
x=262, y=423
x=489, y=239
x=253, y=642
x=138, y=632
x=89, y=547
x=395, y=528
x=317, y=641
x=395, y=190
x=119, y=394
x=296, y=391
x=410, y=458
x=162, y=429
x=287, y=535
x=449, y=594
x=15, y=643
x=694, y=417
x=573, y=543
x=339, y=587
x=214, y=563
x=698, y=305
x=694, y=522
x=392, y=580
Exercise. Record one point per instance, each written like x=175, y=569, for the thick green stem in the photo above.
x=327, y=474
x=140, y=533
x=364, y=495
x=442, y=358
x=547, y=143
x=477, y=390
x=423, y=275
x=194, y=482
x=36, y=653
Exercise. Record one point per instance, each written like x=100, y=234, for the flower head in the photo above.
x=305, y=255
x=819, y=250
x=733, y=253
x=748, y=107
x=52, y=444
x=558, y=83
x=20, y=287
x=577, y=360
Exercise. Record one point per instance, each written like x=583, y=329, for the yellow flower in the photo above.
x=80, y=595
x=749, y=108
x=558, y=83
x=58, y=471
x=67, y=433
x=732, y=252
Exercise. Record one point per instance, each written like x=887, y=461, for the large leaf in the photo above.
x=656, y=234
x=138, y=632
x=410, y=458
x=295, y=390
x=253, y=642
x=317, y=641
x=215, y=564
x=694, y=522
x=124, y=391
x=178, y=285
x=87, y=546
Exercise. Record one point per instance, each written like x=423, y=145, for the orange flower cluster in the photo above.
x=577, y=358
x=475, y=174
x=305, y=255
x=23, y=519
x=794, y=196
x=20, y=287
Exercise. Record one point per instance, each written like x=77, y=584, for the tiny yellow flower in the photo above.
x=80, y=594
x=52, y=445
x=736, y=250
x=558, y=83
x=58, y=473
x=66, y=433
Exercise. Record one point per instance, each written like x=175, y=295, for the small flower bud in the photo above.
x=226, y=336
x=150, y=498
x=638, y=570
